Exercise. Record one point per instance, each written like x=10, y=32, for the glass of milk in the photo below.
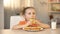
x=53, y=23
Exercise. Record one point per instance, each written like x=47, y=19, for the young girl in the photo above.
x=29, y=13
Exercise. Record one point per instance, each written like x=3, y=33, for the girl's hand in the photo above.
x=46, y=26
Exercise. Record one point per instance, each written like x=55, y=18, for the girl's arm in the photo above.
x=42, y=24
x=16, y=27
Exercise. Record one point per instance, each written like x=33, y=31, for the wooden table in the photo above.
x=46, y=31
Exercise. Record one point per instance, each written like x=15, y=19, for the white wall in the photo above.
x=42, y=10
x=1, y=15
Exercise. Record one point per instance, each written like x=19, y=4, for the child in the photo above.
x=29, y=13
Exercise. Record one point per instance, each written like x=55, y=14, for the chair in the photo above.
x=15, y=20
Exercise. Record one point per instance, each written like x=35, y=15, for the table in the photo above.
x=45, y=31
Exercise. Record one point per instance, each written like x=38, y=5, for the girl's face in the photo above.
x=30, y=13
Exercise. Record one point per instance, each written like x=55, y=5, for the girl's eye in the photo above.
x=33, y=13
x=29, y=13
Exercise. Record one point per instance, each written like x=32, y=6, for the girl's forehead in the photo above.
x=30, y=9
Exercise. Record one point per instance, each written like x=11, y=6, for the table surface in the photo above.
x=45, y=31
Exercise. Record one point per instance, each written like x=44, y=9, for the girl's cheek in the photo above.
x=28, y=17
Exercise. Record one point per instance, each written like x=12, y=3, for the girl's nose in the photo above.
x=33, y=16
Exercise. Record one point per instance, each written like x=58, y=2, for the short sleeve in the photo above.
x=22, y=22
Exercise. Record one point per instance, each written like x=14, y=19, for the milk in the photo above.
x=53, y=24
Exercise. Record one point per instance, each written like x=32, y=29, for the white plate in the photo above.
x=34, y=30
